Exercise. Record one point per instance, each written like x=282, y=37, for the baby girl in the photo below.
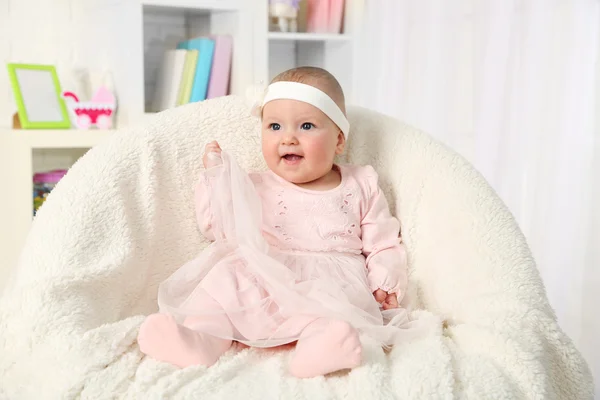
x=306, y=252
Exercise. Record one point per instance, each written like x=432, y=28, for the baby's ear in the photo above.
x=341, y=143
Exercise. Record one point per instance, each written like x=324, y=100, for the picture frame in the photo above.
x=38, y=96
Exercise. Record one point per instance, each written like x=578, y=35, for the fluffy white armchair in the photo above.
x=122, y=220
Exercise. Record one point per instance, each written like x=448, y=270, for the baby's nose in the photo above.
x=289, y=139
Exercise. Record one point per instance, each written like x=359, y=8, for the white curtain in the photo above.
x=514, y=86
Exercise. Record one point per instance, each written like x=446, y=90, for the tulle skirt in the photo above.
x=241, y=288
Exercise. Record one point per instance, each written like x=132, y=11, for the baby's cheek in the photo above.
x=319, y=148
x=270, y=147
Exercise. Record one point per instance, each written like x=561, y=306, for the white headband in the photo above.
x=311, y=95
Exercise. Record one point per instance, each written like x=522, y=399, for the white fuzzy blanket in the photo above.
x=122, y=221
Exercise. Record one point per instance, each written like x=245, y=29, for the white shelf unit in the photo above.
x=138, y=31
x=23, y=153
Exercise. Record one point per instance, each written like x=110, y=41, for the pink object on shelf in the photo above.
x=43, y=184
x=318, y=16
x=336, y=16
x=103, y=95
x=98, y=111
x=219, y=77
x=49, y=176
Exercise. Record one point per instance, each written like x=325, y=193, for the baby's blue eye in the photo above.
x=307, y=126
x=275, y=127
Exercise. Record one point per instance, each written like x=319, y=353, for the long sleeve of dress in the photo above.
x=386, y=255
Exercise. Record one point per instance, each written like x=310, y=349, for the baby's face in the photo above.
x=299, y=142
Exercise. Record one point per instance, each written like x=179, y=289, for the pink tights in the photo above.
x=324, y=346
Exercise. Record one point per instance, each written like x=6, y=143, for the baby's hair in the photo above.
x=317, y=77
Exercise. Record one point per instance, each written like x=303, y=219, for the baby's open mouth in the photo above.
x=292, y=157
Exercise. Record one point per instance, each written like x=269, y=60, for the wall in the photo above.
x=99, y=35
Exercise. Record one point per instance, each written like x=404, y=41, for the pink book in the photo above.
x=336, y=15
x=221, y=68
x=318, y=16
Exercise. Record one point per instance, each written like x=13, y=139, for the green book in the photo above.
x=187, y=79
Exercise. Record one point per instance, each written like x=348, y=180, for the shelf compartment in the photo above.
x=333, y=55
x=165, y=26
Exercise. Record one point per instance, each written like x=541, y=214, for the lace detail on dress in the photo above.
x=348, y=207
x=281, y=215
x=330, y=206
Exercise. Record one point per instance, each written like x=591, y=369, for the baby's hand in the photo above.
x=214, y=159
x=388, y=300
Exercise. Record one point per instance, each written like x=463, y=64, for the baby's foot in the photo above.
x=162, y=338
x=336, y=347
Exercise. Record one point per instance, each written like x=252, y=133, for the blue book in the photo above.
x=206, y=50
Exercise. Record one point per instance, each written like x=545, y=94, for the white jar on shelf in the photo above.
x=285, y=12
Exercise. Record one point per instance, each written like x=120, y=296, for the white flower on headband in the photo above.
x=255, y=95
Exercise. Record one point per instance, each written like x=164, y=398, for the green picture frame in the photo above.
x=38, y=96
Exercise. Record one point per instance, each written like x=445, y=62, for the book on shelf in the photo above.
x=206, y=48
x=187, y=79
x=336, y=15
x=198, y=69
x=325, y=16
x=318, y=16
x=169, y=80
x=221, y=68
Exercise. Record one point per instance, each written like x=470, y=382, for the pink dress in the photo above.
x=283, y=256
